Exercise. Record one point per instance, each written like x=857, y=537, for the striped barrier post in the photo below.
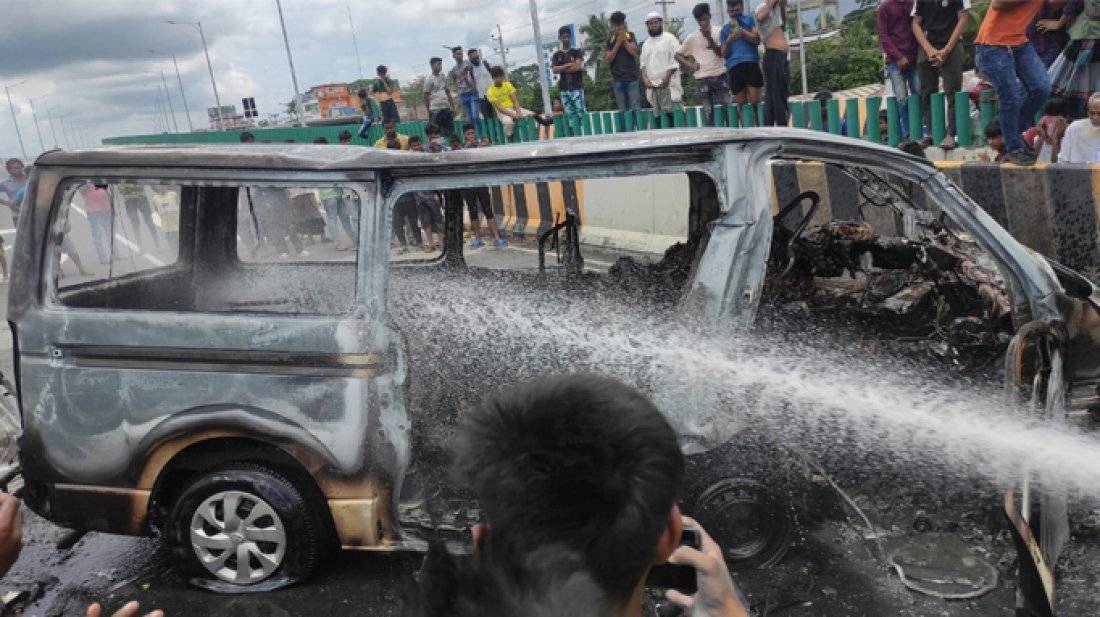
x=692, y=117
x=646, y=119
x=559, y=127
x=939, y=118
x=748, y=116
x=798, y=114
x=815, y=116
x=597, y=124
x=629, y=118
x=733, y=113
x=852, y=114
x=987, y=111
x=916, y=130
x=609, y=122
x=893, y=122
x=833, y=109
x=874, y=131
x=586, y=124
x=760, y=113
x=962, y=120
x=678, y=117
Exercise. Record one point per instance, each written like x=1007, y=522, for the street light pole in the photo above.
x=209, y=67
x=543, y=81
x=53, y=128
x=14, y=120
x=163, y=109
x=801, y=48
x=37, y=128
x=290, y=61
x=186, y=109
x=64, y=131
x=355, y=41
x=168, y=97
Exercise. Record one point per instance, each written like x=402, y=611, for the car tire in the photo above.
x=275, y=536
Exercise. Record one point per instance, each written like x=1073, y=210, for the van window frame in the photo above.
x=71, y=179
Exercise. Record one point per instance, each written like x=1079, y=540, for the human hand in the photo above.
x=11, y=532
x=1046, y=25
x=716, y=595
x=131, y=609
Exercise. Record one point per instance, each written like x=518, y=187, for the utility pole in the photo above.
x=538, y=51
x=209, y=66
x=14, y=120
x=168, y=97
x=65, y=131
x=186, y=110
x=503, y=52
x=290, y=61
x=801, y=47
x=37, y=128
x=163, y=110
x=355, y=42
x=664, y=8
x=53, y=128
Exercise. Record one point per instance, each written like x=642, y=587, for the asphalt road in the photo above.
x=832, y=570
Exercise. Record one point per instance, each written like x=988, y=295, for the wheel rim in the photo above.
x=238, y=537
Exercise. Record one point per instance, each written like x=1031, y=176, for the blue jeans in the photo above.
x=101, y=224
x=469, y=104
x=1022, y=85
x=627, y=94
x=339, y=208
x=904, y=82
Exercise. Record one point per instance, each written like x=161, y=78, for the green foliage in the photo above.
x=598, y=33
x=528, y=88
x=850, y=59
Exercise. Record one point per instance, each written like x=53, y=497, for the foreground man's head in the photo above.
x=580, y=462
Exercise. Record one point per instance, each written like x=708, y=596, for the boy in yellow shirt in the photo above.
x=502, y=95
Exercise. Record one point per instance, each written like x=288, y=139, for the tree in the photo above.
x=676, y=28
x=848, y=60
x=597, y=34
x=413, y=93
x=528, y=87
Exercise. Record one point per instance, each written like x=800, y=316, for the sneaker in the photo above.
x=500, y=243
x=476, y=243
x=948, y=143
x=1022, y=158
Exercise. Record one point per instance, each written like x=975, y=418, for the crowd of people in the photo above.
x=1033, y=55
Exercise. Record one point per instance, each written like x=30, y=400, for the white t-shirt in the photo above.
x=658, y=58
x=711, y=63
x=436, y=86
x=1081, y=143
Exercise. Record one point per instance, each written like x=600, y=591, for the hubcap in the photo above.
x=238, y=537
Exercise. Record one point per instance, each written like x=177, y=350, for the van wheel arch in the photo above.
x=212, y=453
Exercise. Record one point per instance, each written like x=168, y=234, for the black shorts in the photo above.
x=744, y=75
x=473, y=198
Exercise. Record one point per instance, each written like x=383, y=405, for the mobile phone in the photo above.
x=673, y=576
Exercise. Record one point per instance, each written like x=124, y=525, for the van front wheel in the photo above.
x=244, y=527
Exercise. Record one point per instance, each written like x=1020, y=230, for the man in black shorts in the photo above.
x=739, y=47
x=479, y=199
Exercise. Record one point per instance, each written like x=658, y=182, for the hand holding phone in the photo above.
x=715, y=594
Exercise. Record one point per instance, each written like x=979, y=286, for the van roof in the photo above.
x=325, y=157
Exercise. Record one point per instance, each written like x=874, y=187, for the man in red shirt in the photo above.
x=1010, y=62
x=895, y=34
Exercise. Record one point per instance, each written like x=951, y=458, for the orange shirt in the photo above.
x=1008, y=27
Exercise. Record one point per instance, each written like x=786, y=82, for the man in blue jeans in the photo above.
x=894, y=25
x=1006, y=57
x=622, y=55
x=462, y=74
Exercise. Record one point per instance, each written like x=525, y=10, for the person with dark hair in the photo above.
x=479, y=201
x=568, y=64
x=659, y=69
x=771, y=20
x=1048, y=132
x=14, y=183
x=702, y=55
x=470, y=138
x=740, y=39
x=438, y=100
x=387, y=92
x=247, y=138
x=344, y=137
x=995, y=139
x=894, y=24
x=1047, y=32
x=583, y=472
x=481, y=78
x=502, y=95
x=938, y=28
x=622, y=55
x=911, y=146
x=391, y=139
x=462, y=75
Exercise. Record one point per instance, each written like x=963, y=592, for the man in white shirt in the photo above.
x=1081, y=143
x=659, y=68
x=701, y=54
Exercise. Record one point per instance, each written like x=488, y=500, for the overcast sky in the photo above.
x=91, y=60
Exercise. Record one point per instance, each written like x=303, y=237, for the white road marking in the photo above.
x=125, y=241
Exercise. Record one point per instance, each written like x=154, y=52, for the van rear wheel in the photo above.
x=243, y=526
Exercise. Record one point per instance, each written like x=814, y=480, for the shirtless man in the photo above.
x=771, y=21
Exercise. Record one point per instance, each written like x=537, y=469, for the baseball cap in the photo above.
x=652, y=15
